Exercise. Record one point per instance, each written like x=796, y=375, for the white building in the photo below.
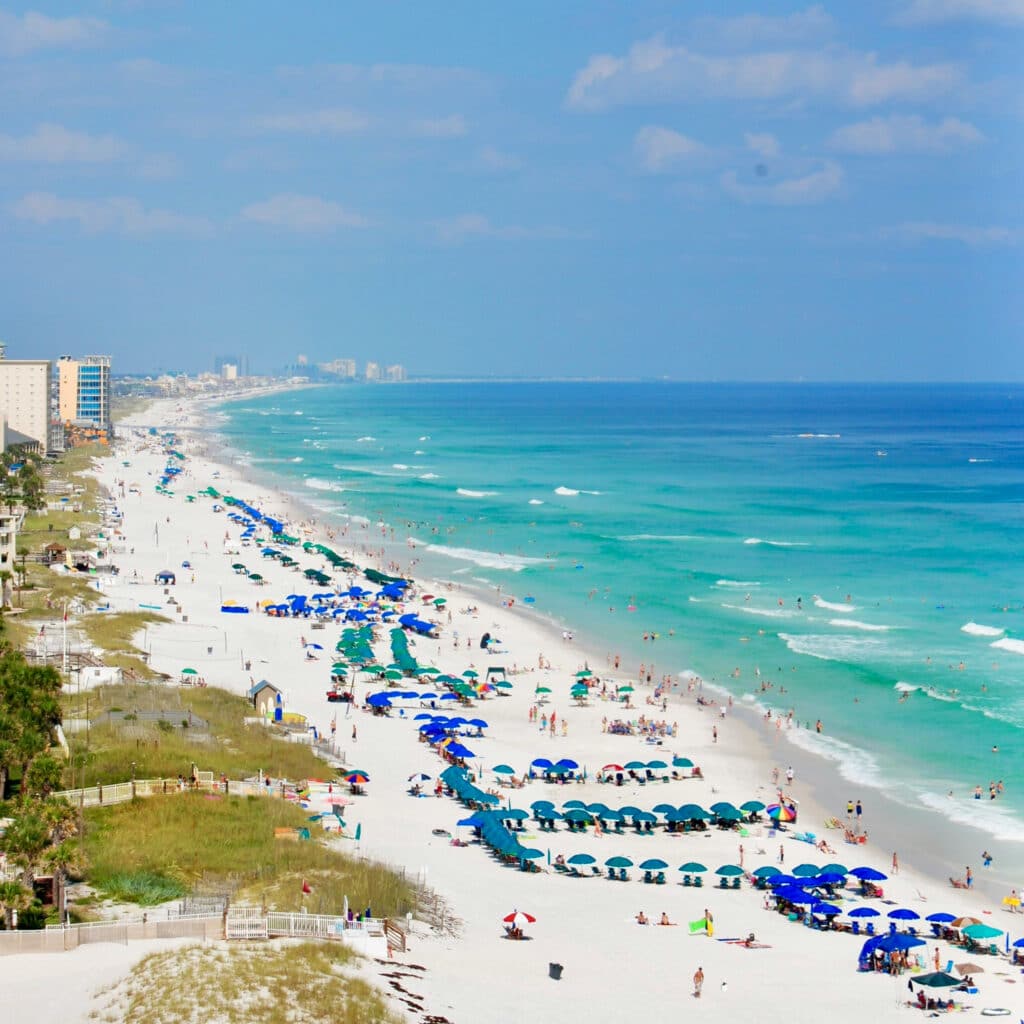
x=25, y=399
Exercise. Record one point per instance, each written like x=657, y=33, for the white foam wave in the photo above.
x=298, y=412
x=869, y=627
x=367, y=438
x=322, y=485
x=487, y=559
x=1013, y=646
x=777, y=543
x=854, y=763
x=976, y=629
x=979, y=460
x=833, y=606
x=737, y=584
x=819, y=435
x=535, y=501
x=429, y=476
x=298, y=458
x=399, y=465
x=829, y=647
x=768, y=613
x=425, y=437
x=467, y=493
x=986, y=815
x=419, y=452
x=567, y=492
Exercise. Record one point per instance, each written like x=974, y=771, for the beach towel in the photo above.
x=697, y=926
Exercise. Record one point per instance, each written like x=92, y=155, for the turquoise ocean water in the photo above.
x=854, y=544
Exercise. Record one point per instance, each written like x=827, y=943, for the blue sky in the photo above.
x=775, y=192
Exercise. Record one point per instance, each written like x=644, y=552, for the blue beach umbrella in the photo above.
x=825, y=909
x=864, y=912
x=794, y=895
x=618, y=862
x=581, y=859
x=941, y=918
x=868, y=874
x=653, y=864
x=903, y=914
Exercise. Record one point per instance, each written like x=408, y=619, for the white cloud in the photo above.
x=904, y=134
x=121, y=215
x=490, y=158
x=54, y=144
x=652, y=72
x=302, y=213
x=1006, y=12
x=815, y=187
x=26, y=33
x=476, y=225
x=928, y=231
x=452, y=127
x=749, y=29
x=331, y=121
x=661, y=149
x=763, y=144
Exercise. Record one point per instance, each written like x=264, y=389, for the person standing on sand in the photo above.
x=895, y=863
x=698, y=982
x=782, y=854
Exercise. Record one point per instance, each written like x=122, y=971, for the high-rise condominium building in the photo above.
x=83, y=391
x=373, y=371
x=25, y=399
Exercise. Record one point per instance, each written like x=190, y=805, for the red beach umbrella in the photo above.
x=518, y=918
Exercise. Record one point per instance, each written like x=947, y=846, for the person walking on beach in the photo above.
x=895, y=863
x=698, y=982
x=353, y=732
x=859, y=810
x=968, y=877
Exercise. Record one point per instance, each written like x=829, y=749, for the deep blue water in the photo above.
x=834, y=540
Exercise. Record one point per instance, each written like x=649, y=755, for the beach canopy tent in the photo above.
x=165, y=576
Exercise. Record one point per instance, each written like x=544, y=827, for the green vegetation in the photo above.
x=107, y=752
x=144, y=849
x=295, y=984
x=113, y=631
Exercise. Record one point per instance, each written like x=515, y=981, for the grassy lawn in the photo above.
x=236, y=750
x=303, y=983
x=160, y=847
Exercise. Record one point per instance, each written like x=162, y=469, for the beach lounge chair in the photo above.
x=723, y=883
x=697, y=881
x=623, y=877
x=562, y=869
x=611, y=874
x=736, y=882
x=596, y=870
x=855, y=927
x=869, y=929
x=648, y=878
x=687, y=880
x=659, y=878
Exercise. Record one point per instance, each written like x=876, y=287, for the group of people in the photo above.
x=642, y=918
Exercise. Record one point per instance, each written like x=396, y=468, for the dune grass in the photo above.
x=294, y=983
x=106, y=753
x=185, y=841
x=114, y=631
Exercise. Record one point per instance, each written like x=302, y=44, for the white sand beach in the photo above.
x=613, y=967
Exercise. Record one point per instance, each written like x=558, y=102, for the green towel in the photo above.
x=699, y=925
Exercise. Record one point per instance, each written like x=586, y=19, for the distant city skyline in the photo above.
x=772, y=191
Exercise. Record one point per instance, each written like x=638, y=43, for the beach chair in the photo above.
x=611, y=874
x=855, y=927
x=723, y=883
x=659, y=878
x=623, y=877
x=687, y=880
x=595, y=870
x=869, y=929
x=698, y=882
x=736, y=882
x=562, y=869
x=648, y=878
x=574, y=872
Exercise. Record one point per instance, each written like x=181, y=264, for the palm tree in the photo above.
x=14, y=897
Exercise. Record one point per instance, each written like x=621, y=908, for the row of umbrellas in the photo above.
x=578, y=810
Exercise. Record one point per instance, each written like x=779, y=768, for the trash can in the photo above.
x=555, y=972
